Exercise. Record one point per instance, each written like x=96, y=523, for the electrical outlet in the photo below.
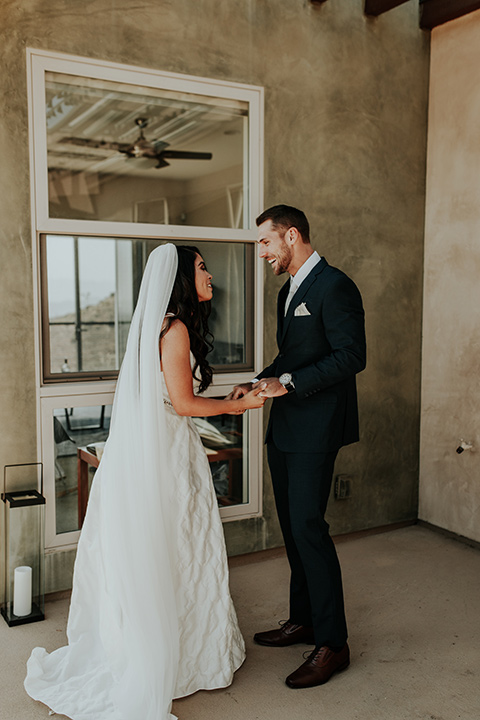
x=343, y=487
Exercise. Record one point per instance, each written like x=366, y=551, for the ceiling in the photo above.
x=431, y=12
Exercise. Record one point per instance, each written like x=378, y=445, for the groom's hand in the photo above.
x=239, y=391
x=273, y=388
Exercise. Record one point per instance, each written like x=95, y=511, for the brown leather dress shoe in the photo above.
x=319, y=667
x=287, y=634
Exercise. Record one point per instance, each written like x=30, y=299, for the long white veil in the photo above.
x=122, y=658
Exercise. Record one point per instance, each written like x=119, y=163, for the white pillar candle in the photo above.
x=22, y=591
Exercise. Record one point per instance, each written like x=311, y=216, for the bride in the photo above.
x=151, y=617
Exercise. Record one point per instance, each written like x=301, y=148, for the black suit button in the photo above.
x=280, y=355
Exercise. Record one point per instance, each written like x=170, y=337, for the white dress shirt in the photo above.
x=298, y=278
x=302, y=272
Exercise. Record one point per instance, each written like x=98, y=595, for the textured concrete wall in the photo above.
x=449, y=487
x=344, y=139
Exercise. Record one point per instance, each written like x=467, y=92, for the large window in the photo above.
x=90, y=288
x=125, y=159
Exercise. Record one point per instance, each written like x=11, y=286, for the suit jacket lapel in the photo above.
x=282, y=296
x=298, y=297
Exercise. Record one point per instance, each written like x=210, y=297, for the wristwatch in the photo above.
x=287, y=382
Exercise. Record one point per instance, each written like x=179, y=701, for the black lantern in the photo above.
x=24, y=595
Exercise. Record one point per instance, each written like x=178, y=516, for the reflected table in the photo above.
x=229, y=455
x=86, y=459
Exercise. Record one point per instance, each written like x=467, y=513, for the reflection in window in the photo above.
x=82, y=303
x=224, y=439
x=115, y=150
x=79, y=439
x=74, y=429
x=90, y=287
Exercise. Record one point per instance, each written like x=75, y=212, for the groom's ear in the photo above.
x=292, y=236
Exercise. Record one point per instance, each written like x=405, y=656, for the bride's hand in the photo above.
x=230, y=396
x=250, y=400
x=254, y=399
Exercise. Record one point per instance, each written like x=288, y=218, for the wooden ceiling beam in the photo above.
x=377, y=7
x=437, y=12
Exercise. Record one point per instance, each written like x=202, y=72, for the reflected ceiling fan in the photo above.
x=142, y=148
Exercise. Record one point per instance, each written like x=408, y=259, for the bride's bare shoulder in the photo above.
x=175, y=327
x=176, y=336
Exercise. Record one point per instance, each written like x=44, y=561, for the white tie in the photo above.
x=291, y=293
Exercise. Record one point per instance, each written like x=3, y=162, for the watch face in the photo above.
x=285, y=379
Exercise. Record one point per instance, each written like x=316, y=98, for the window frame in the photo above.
x=67, y=540
x=42, y=62
x=87, y=390
x=49, y=377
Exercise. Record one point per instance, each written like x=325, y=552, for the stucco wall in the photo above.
x=449, y=487
x=345, y=135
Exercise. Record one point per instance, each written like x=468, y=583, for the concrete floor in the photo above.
x=412, y=600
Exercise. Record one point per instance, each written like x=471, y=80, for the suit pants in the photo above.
x=301, y=484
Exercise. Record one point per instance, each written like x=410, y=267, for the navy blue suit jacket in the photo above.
x=323, y=350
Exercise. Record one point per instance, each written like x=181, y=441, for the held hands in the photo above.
x=261, y=390
x=271, y=388
x=251, y=396
x=255, y=398
x=239, y=391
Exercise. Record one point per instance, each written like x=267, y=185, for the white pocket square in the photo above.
x=301, y=310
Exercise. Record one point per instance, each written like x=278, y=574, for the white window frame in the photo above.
x=101, y=392
x=47, y=406
x=41, y=62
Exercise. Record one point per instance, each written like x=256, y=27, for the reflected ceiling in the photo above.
x=88, y=120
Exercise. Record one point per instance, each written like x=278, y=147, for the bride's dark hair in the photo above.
x=184, y=305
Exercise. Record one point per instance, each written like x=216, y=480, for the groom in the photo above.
x=321, y=347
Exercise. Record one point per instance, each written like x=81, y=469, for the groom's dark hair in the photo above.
x=286, y=216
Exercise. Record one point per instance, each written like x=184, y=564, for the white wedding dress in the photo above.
x=151, y=617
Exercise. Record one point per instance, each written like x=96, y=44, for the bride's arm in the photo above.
x=175, y=354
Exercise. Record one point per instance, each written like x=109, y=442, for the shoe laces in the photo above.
x=311, y=654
